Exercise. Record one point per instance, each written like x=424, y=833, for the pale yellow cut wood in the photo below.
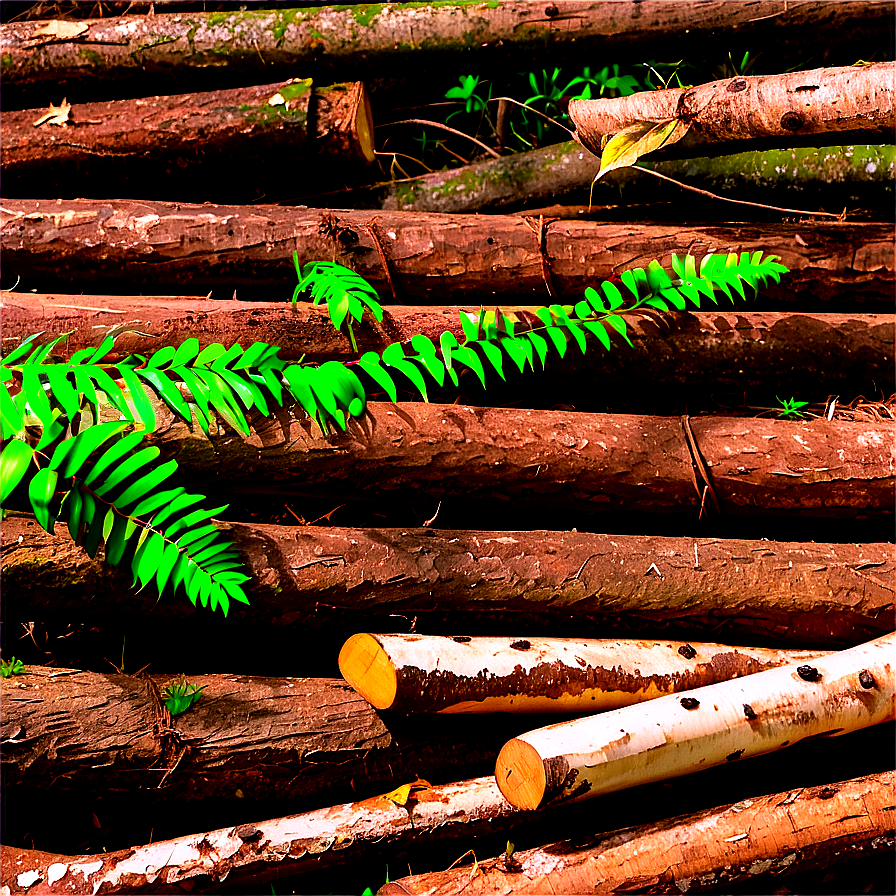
x=367, y=668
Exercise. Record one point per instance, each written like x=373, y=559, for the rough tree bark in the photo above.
x=735, y=349
x=290, y=738
x=835, y=694
x=430, y=673
x=824, y=594
x=777, y=834
x=107, y=147
x=259, y=852
x=600, y=461
x=829, y=174
x=159, y=246
x=379, y=39
x=854, y=104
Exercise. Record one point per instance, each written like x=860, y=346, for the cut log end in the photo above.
x=521, y=774
x=367, y=668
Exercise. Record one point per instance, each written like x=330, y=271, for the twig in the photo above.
x=774, y=208
x=443, y=127
x=697, y=465
x=429, y=522
x=508, y=99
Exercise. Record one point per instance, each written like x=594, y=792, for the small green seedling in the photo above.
x=790, y=407
x=11, y=667
x=179, y=697
x=467, y=95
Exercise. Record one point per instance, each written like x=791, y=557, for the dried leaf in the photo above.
x=626, y=147
x=401, y=794
x=58, y=30
x=55, y=114
x=277, y=100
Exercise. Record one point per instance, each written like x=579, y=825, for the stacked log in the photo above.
x=726, y=646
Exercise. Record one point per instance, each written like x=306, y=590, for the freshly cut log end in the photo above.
x=344, y=121
x=367, y=668
x=522, y=775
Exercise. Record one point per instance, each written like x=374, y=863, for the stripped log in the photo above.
x=853, y=104
x=825, y=594
x=754, y=842
x=386, y=38
x=247, y=737
x=179, y=142
x=834, y=694
x=598, y=462
x=733, y=349
x=830, y=175
x=159, y=246
x=258, y=852
x=427, y=673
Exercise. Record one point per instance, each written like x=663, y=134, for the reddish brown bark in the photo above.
x=160, y=246
x=263, y=737
x=733, y=348
x=598, y=462
x=386, y=39
x=825, y=594
x=778, y=834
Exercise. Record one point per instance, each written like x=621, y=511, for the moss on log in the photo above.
x=188, y=145
x=74, y=244
x=831, y=175
x=221, y=48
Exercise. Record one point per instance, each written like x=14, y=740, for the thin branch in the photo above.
x=774, y=208
x=530, y=109
x=442, y=127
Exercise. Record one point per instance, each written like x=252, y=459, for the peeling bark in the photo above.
x=731, y=348
x=288, y=738
x=177, y=142
x=775, y=835
x=822, y=594
x=384, y=39
x=70, y=245
x=827, y=174
x=602, y=462
x=853, y=104
x=259, y=852
x=428, y=673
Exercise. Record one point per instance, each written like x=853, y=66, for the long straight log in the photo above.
x=247, y=737
x=853, y=104
x=604, y=462
x=258, y=852
x=733, y=349
x=693, y=730
x=379, y=38
x=71, y=245
x=707, y=852
x=824, y=594
x=179, y=143
x=428, y=673
x=829, y=174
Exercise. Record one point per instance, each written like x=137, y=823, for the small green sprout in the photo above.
x=11, y=667
x=181, y=695
x=790, y=407
x=466, y=94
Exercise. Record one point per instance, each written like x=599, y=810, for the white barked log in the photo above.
x=675, y=735
x=425, y=673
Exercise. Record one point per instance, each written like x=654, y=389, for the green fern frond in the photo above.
x=345, y=292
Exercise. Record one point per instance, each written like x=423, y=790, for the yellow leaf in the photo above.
x=55, y=114
x=626, y=147
x=60, y=30
x=401, y=794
